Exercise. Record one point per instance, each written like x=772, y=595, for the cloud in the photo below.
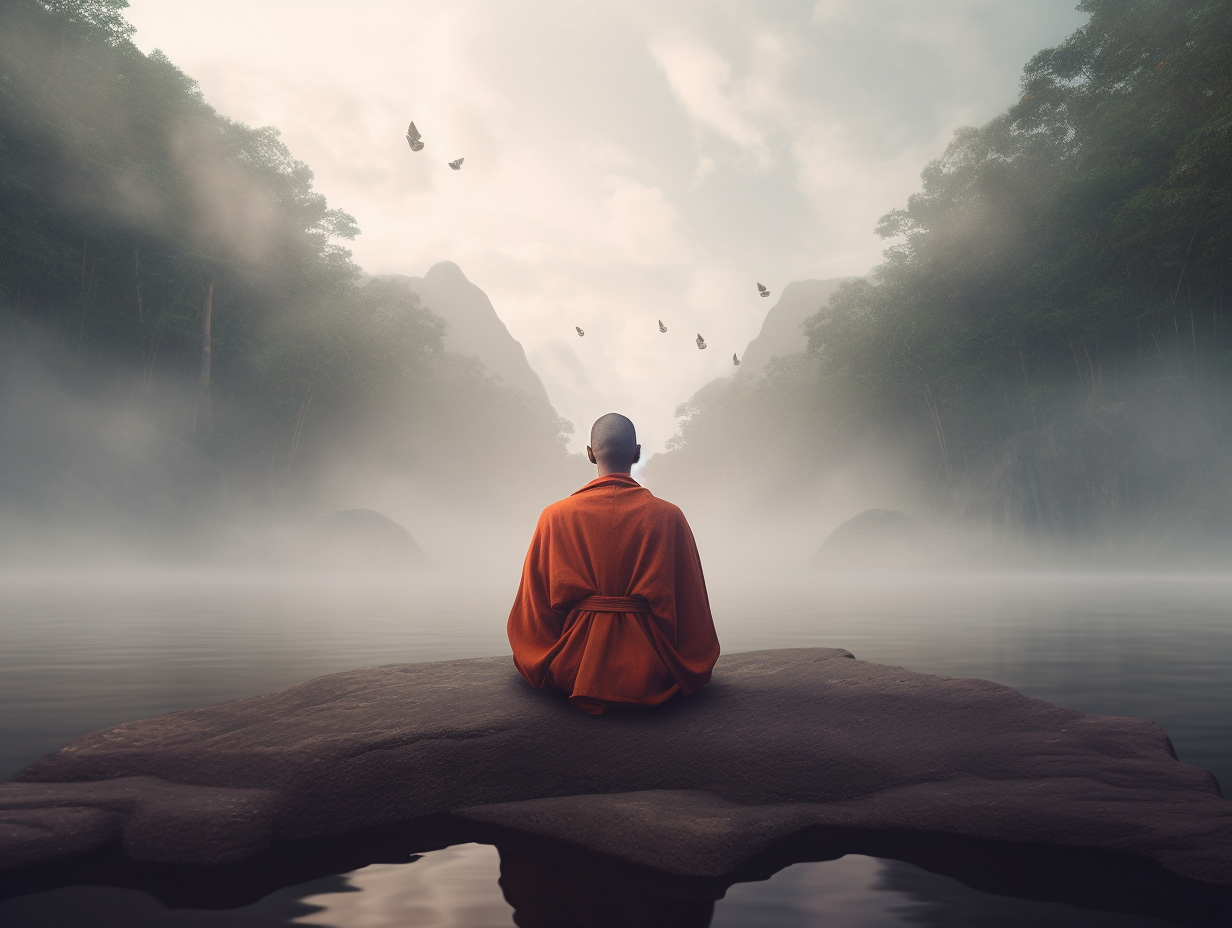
x=827, y=12
x=625, y=162
x=701, y=80
x=749, y=111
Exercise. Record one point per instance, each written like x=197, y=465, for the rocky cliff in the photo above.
x=475, y=330
x=782, y=331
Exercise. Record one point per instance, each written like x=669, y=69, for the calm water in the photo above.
x=79, y=652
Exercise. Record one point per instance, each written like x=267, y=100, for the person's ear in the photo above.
x=590, y=454
x=637, y=454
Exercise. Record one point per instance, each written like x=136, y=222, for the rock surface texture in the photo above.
x=780, y=744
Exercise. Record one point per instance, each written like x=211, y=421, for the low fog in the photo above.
x=198, y=372
x=91, y=479
x=1136, y=480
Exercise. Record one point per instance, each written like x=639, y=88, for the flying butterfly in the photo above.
x=735, y=360
x=413, y=138
x=762, y=290
x=701, y=342
x=662, y=327
x=579, y=331
x=457, y=165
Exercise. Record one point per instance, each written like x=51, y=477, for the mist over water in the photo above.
x=90, y=476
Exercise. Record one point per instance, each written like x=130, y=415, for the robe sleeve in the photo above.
x=534, y=626
x=686, y=638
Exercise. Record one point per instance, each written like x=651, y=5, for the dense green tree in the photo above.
x=1076, y=246
x=181, y=265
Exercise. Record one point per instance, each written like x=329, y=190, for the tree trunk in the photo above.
x=204, y=424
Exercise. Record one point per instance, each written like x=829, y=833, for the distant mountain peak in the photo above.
x=445, y=271
x=475, y=329
x=782, y=330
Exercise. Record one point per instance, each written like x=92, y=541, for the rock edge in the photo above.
x=781, y=743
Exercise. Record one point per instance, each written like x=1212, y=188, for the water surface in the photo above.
x=85, y=650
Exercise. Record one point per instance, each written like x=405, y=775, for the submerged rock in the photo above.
x=783, y=744
x=875, y=538
x=363, y=537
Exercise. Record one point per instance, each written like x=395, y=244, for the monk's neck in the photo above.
x=608, y=471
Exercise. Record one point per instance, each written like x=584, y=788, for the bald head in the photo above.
x=613, y=444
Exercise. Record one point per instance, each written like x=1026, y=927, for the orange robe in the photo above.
x=612, y=607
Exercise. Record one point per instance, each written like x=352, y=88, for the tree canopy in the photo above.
x=1074, y=246
x=124, y=197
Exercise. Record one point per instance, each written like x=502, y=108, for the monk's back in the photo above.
x=612, y=607
x=624, y=536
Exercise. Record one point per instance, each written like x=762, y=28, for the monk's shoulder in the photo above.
x=568, y=511
x=667, y=512
x=562, y=508
x=586, y=502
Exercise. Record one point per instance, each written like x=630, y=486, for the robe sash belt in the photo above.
x=625, y=604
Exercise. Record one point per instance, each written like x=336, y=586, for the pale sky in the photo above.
x=625, y=161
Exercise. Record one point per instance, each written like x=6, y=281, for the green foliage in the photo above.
x=379, y=377
x=123, y=195
x=121, y=191
x=1075, y=244
x=104, y=16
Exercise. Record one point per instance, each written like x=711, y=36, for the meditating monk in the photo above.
x=612, y=607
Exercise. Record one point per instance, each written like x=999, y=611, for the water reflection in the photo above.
x=864, y=892
x=458, y=887
x=451, y=888
x=938, y=901
x=545, y=894
x=843, y=892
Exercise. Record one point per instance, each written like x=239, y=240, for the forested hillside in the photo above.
x=160, y=260
x=1061, y=261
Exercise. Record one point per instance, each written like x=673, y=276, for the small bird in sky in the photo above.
x=762, y=290
x=662, y=327
x=701, y=342
x=579, y=331
x=735, y=360
x=413, y=138
x=457, y=165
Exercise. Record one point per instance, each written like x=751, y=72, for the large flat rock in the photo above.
x=782, y=743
